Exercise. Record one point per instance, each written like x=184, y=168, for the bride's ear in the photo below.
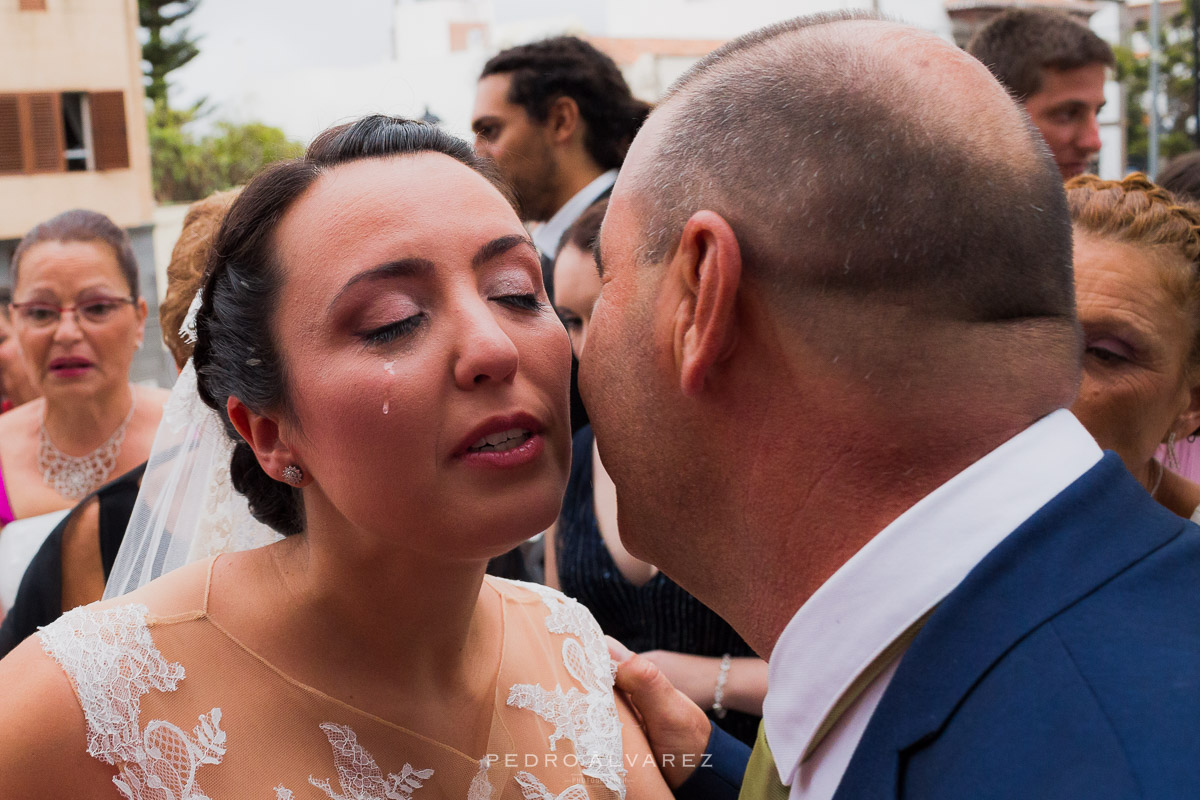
x=262, y=434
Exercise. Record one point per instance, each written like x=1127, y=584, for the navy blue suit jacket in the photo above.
x=1065, y=666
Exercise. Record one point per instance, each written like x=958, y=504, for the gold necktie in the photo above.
x=761, y=781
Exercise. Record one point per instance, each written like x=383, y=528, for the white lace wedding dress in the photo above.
x=182, y=710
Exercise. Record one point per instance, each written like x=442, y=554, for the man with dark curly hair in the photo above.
x=1055, y=67
x=556, y=116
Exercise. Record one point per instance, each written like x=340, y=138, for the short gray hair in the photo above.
x=842, y=173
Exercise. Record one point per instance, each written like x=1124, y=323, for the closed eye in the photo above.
x=392, y=331
x=1106, y=353
x=525, y=302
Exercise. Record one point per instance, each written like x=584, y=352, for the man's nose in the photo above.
x=483, y=148
x=1089, y=135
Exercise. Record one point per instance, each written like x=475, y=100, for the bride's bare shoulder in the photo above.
x=181, y=591
x=44, y=752
x=52, y=676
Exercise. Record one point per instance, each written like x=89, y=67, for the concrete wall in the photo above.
x=76, y=45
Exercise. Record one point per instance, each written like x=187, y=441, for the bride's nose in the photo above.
x=486, y=353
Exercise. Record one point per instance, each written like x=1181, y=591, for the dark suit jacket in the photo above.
x=1066, y=665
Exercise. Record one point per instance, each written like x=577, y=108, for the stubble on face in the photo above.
x=622, y=385
x=514, y=142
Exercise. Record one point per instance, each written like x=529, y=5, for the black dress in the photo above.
x=39, y=598
x=659, y=615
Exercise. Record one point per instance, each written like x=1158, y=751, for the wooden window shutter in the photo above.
x=110, y=138
x=45, y=146
x=12, y=159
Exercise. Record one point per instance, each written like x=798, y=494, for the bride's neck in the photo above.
x=394, y=606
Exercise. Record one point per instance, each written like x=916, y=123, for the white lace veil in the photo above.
x=187, y=508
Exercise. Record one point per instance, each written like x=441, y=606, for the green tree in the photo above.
x=177, y=172
x=185, y=168
x=236, y=152
x=164, y=52
x=1175, y=70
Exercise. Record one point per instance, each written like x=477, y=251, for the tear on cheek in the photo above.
x=390, y=369
x=386, y=403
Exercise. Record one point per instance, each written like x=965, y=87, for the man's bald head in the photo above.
x=860, y=159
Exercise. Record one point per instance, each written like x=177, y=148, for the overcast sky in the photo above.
x=264, y=37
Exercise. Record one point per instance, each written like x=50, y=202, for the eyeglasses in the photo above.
x=96, y=311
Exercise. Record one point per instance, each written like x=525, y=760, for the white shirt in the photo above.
x=547, y=236
x=906, y=570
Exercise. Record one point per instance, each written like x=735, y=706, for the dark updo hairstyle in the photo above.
x=235, y=355
x=81, y=225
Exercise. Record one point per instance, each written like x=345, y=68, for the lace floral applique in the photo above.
x=111, y=658
x=481, y=787
x=358, y=774
x=533, y=789
x=283, y=793
x=588, y=719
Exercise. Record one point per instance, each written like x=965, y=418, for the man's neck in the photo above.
x=571, y=185
x=575, y=173
x=833, y=515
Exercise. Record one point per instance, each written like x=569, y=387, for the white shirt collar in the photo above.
x=907, y=569
x=547, y=236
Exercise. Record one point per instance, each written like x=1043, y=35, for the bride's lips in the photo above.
x=70, y=366
x=511, y=440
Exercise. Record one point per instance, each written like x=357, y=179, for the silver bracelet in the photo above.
x=719, y=692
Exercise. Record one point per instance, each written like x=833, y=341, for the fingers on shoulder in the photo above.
x=638, y=675
x=43, y=752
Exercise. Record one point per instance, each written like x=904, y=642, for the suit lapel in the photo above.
x=1093, y=530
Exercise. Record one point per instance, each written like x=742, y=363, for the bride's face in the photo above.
x=427, y=372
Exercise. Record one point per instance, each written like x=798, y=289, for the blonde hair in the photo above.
x=189, y=261
x=1139, y=212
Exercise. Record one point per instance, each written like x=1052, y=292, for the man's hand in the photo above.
x=677, y=728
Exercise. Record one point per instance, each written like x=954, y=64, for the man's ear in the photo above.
x=563, y=120
x=262, y=434
x=707, y=266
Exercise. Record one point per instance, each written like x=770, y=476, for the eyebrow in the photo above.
x=1075, y=105
x=596, y=257
x=498, y=247
x=479, y=122
x=418, y=267
x=401, y=268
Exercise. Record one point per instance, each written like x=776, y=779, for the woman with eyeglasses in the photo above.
x=79, y=319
